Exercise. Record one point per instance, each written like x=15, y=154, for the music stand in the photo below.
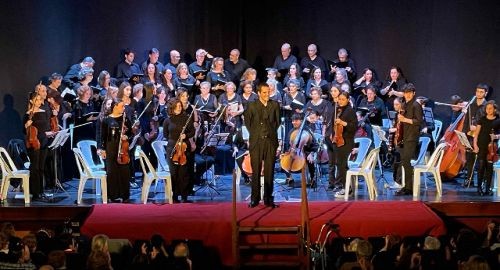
x=468, y=147
x=377, y=131
x=60, y=139
x=210, y=185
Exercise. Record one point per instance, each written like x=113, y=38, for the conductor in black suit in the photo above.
x=262, y=119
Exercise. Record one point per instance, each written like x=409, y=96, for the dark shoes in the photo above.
x=290, y=182
x=271, y=204
x=403, y=192
x=253, y=204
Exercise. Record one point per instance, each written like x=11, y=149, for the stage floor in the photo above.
x=220, y=190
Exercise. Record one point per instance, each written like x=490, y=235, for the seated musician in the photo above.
x=240, y=149
x=306, y=144
x=369, y=78
x=374, y=105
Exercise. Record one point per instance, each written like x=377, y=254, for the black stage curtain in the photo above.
x=444, y=47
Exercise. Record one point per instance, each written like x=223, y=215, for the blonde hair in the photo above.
x=100, y=243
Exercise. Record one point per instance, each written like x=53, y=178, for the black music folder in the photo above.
x=311, y=66
x=337, y=64
x=188, y=86
x=296, y=105
x=202, y=72
x=135, y=78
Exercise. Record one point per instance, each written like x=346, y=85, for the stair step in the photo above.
x=269, y=229
x=269, y=246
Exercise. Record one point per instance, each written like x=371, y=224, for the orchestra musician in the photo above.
x=474, y=113
x=393, y=149
x=392, y=86
x=374, y=104
x=37, y=130
x=411, y=121
x=177, y=136
x=116, y=130
x=262, y=119
x=346, y=118
x=486, y=133
x=308, y=147
x=83, y=112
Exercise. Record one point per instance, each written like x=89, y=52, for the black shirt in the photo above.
x=125, y=70
x=413, y=111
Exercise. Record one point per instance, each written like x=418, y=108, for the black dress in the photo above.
x=118, y=175
x=172, y=128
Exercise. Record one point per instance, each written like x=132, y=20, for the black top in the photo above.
x=280, y=63
x=376, y=109
x=474, y=113
x=412, y=110
x=172, y=128
x=125, y=70
x=41, y=122
x=350, y=74
x=187, y=83
x=348, y=115
x=262, y=122
x=111, y=130
x=318, y=62
x=236, y=70
x=483, y=138
x=204, y=68
x=302, y=83
x=245, y=101
x=159, y=68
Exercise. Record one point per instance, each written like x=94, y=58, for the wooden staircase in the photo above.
x=269, y=248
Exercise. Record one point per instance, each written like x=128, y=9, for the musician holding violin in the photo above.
x=344, y=125
x=113, y=144
x=262, y=119
x=37, y=130
x=178, y=128
x=485, y=147
x=410, y=119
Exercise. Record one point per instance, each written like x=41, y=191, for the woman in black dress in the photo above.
x=487, y=132
x=173, y=130
x=37, y=117
x=118, y=175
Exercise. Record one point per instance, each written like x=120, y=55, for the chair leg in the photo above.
x=146, y=184
x=104, y=190
x=416, y=183
x=439, y=186
x=5, y=188
x=348, y=179
x=26, y=188
x=168, y=189
x=81, y=185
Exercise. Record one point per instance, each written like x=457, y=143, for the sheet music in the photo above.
x=463, y=140
x=60, y=139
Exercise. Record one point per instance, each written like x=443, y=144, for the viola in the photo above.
x=492, y=155
x=398, y=136
x=54, y=123
x=179, y=155
x=32, y=141
x=338, y=129
x=247, y=165
x=123, y=146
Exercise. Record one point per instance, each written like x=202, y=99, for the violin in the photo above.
x=178, y=155
x=32, y=141
x=123, y=146
x=294, y=160
x=398, y=136
x=492, y=155
x=54, y=122
x=338, y=129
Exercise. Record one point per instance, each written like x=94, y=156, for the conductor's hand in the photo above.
x=183, y=136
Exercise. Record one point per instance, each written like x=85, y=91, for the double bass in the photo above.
x=294, y=160
x=454, y=152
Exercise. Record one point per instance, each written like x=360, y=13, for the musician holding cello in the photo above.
x=304, y=143
x=485, y=147
x=177, y=129
x=116, y=129
x=345, y=123
x=262, y=119
x=410, y=117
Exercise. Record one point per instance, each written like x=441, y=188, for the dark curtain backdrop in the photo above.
x=445, y=47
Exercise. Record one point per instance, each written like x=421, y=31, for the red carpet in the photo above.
x=211, y=222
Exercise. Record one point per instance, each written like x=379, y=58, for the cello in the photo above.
x=294, y=160
x=454, y=152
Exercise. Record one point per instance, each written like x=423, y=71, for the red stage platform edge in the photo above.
x=211, y=222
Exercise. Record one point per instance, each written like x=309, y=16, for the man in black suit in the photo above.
x=411, y=119
x=262, y=119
